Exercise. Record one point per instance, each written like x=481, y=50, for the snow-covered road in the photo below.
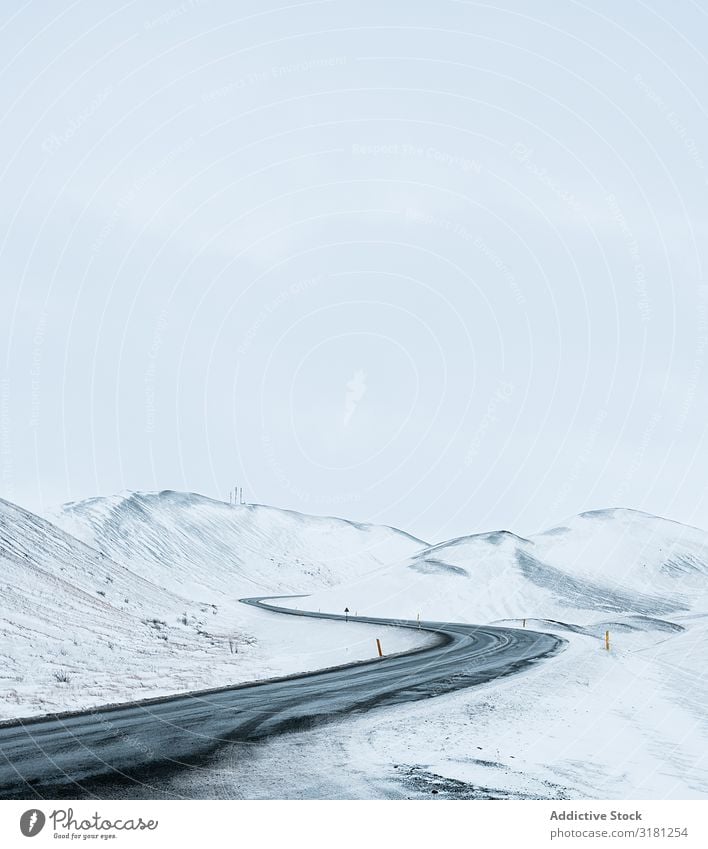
x=86, y=753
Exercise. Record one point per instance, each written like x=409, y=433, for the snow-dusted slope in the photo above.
x=596, y=565
x=72, y=619
x=631, y=552
x=196, y=545
x=587, y=724
x=590, y=723
x=78, y=628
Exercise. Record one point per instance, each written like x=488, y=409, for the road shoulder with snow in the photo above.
x=73, y=752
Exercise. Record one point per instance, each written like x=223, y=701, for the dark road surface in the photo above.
x=73, y=754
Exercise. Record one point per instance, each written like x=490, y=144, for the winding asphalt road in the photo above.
x=75, y=752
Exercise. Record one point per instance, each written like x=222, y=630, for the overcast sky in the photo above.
x=436, y=265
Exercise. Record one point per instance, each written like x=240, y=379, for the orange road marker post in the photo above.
x=607, y=640
x=378, y=646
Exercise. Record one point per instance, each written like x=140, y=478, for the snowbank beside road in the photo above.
x=79, y=629
x=628, y=723
x=585, y=724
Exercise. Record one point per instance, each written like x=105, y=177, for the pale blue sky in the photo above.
x=437, y=265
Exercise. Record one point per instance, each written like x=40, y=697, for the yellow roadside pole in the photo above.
x=607, y=640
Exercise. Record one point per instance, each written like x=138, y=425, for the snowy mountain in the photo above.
x=137, y=597
x=72, y=618
x=597, y=564
x=195, y=545
x=155, y=610
x=625, y=723
x=631, y=552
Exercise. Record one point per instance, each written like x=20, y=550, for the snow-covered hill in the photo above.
x=74, y=620
x=156, y=611
x=590, y=723
x=632, y=553
x=195, y=545
x=595, y=565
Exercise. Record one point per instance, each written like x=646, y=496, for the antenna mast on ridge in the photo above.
x=236, y=496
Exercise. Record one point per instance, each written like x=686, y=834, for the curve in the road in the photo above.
x=39, y=756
